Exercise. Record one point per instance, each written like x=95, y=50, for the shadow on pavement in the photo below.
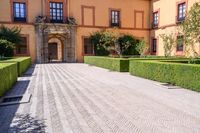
x=12, y=122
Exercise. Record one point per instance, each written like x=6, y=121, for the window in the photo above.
x=88, y=47
x=22, y=47
x=181, y=11
x=19, y=12
x=56, y=12
x=154, y=45
x=115, y=18
x=155, y=19
x=179, y=43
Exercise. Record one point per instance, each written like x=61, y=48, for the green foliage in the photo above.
x=141, y=47
x=99, y=50
x=111, y=41
x=10, y=69
x=114, y=64
x=168, y=43
x=10, y=34
x=180, y=74
x=127, y=44
x=190, y=28
x=22, y=63
x=108, y=40
x=6, y=48
x=8, y=76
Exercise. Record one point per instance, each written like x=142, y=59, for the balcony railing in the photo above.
x=16, y=19
x=63, y=20
x=154, y=25
x=179, y=19
x=115, y=24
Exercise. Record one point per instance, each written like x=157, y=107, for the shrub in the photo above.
x=141, y=47
x=183, y=75
x=22, y=63
x=169, y=43
x=10, y=34
x=8, y=76
x=95, y=40
x=113, y=42
x=115, y=64
x=127, y=44
x=6, y=48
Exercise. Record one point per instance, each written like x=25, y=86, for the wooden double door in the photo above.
x=53, y=51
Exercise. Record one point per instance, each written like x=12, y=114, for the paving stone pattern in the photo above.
x=77, y=98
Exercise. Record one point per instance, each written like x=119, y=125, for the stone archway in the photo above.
x=55, y=49
x=63, y=32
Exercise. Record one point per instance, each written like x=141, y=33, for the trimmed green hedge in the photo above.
x=114, y=64
x=9, y=71
x=22, y=63
x=183, y=75
x=8, y=76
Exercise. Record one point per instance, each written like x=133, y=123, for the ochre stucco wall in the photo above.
x=136, y=18
x=167, y=22
x=29, y=31
x=96, y=17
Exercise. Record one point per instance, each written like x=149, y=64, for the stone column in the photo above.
x=72, y=44
x=38, y=32
x=65, y=50
x=45, y=47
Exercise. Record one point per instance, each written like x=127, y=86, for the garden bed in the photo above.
x=8, y=76
x=176, y=72
x=22, y=63
x=9, y=71
x=114, y=64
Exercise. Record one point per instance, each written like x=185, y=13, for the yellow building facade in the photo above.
x=59, y=29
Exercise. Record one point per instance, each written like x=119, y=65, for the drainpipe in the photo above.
x=42, y=5
x=68, y=9
x=150, y=9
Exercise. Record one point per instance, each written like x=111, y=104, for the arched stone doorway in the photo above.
x=58, y=36
x=55, y=50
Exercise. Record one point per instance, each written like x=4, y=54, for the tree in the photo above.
x=106, y=39
x=190, y=29
x=95, y=40
x=10, y=34
x=125, y=42
x=168, y=43
x=141, y=47
x=6, y=48
x=112, y=41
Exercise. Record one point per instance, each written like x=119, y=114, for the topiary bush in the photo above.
x=174, y=72
x=8, y=76
x=22, y=64
x=114, y=64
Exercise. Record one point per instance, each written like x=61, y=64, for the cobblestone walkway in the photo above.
x=77, y=98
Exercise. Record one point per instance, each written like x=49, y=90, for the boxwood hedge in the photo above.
x=8, y=76
x=180, y=74
x=9, y=71
x=22, y=63
x=114, y=64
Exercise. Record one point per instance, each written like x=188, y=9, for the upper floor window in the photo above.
x=22, y=47
x=181, y=11
x=88, y=47
x=179, y=43
x=19, y=11
x=56, y=12
x=155, y=19
x=115, y=18
x=154, y=46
